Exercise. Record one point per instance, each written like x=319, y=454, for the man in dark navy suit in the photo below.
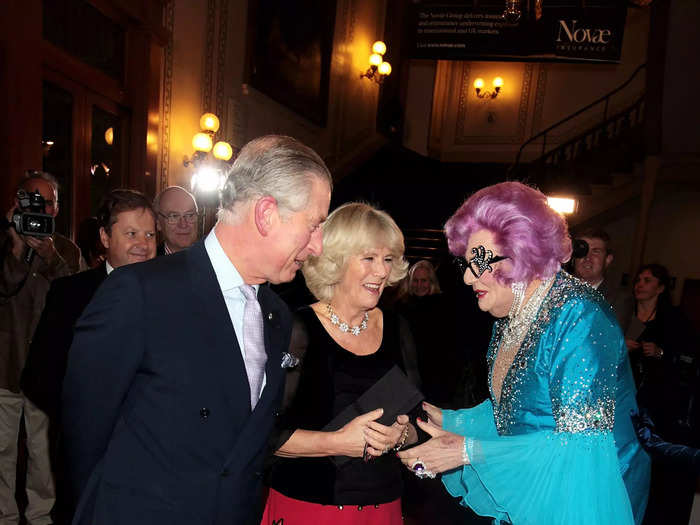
x=175, y=373
x=127, y=231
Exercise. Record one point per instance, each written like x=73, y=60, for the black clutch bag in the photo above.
x=393, y=392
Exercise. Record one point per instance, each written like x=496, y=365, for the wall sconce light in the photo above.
x=209, y=159
x=481, y=93
x=109, y=136
x=378, y=69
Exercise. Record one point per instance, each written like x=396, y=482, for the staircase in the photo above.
x=601, y=166
x=425, y=243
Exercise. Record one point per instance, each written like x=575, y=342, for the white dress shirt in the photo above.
x=230, y=282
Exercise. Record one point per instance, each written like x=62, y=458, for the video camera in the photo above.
x=30, y=218
x=580, y=249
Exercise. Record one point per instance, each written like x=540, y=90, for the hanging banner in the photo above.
x=445, y=31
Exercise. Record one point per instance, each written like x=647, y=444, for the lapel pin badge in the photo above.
x=288, y=360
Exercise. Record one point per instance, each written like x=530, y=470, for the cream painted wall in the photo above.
x=674, y=229
x=207, y=74
x=535, y=96
x=188, y=31
x=350, y=132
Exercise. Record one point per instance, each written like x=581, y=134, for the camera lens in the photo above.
x=580, y=249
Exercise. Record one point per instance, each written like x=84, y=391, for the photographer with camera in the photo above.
x=31, y=256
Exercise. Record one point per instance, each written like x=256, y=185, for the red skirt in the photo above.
x=281, y=510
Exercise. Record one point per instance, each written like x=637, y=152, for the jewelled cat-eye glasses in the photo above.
x=481, y=260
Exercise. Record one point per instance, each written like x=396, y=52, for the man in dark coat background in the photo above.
x=167, y=406
x=127, y=231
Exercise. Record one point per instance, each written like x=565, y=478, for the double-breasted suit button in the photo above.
x=204, y=413
x=269, y=316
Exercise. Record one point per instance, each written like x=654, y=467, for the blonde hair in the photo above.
x=432, y=276
x=350, y=230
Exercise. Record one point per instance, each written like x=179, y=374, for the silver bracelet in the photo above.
x=465, y=456
x=402, y=441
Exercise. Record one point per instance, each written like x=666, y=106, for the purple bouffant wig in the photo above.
x=523, y=225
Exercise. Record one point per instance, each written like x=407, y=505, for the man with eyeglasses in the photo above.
x=177, y=219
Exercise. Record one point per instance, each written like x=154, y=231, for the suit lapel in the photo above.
x=100, y=274
x=273, y=334
x=227, y=352
x=221, y=337
x=274, y=374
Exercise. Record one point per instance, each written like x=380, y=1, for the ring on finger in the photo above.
x=419, y=469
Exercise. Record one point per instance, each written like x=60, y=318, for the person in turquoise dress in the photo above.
x=554, y=443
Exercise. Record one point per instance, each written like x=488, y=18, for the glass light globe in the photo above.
x=384, y=68
x=479, y=83
x=222, y=150
x=498, y=82
x=109, y=136
x=209, y=122
x=202, y=142
x=208, y=179
x=379, y=47
x=375, y=59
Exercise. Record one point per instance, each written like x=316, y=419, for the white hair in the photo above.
x=276, y=166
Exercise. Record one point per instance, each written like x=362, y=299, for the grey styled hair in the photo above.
x=273, y=165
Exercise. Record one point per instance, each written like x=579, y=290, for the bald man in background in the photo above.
x=177, y=213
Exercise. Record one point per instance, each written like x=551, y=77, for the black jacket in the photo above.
x=156, y=403
x=42, y=377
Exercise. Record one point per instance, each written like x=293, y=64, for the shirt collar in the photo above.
x=226, y=273
x=109, y=267
x=597, y=285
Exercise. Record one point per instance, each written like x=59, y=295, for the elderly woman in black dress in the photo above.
x=347, y=344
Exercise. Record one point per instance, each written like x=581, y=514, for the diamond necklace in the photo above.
x=342, y=325
x=521, y=316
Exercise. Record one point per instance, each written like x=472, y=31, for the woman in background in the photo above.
x=422, y=279
x=663, y=352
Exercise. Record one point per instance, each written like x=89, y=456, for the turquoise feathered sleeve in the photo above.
x=565, y=470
